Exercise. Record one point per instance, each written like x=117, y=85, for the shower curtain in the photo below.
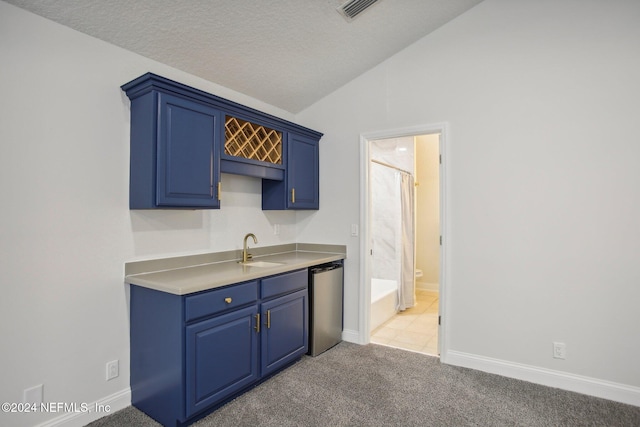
x=406, y=244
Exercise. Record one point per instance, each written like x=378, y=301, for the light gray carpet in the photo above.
x=373, y=385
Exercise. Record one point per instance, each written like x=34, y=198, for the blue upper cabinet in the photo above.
x=300, y=188
x=302, y=173
x=183, y=138
x=187, y=168
x=174, y=146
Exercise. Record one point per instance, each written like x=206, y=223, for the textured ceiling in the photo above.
x=288, y=53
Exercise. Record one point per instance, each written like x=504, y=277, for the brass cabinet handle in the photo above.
x=228, y=300
x=257, y=327
x=293, y=195
x=219, y=189
x=268, y=319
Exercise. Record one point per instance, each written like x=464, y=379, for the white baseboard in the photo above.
x=353, y=336
x=562, y=380
x=96, y=410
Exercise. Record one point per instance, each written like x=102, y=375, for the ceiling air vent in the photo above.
x=353, y=8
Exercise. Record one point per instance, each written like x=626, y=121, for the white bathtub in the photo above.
x=384, y=300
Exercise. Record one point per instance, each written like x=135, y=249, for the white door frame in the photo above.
x=365, y=236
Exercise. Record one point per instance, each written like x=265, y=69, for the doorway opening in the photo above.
x=402, y=198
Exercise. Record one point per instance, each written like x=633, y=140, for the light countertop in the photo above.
x=183, y=277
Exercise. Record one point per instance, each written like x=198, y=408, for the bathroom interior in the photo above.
x=405, y=237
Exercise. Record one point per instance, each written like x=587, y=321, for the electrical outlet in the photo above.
x=354, y=230
x=559, y=350
x=276, y=229
x=113, y=369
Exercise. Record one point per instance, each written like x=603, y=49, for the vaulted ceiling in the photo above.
x=288, y=53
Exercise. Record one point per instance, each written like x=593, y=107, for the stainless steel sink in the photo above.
x=261, y=264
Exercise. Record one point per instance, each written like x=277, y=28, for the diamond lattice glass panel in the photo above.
x=252, y=141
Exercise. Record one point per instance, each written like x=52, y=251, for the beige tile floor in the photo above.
x=414, y=329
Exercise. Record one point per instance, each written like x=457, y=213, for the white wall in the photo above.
x=65, y=226
x=543, y=201
x=428, y=211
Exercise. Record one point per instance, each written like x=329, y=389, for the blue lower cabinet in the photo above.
x=221, y=358
x=189, y=354
x=283, y=340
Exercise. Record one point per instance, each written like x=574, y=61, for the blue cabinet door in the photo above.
x=285, y=328
x=302, y=172
x=188, y=161
x=221, y=356
x=300, y=188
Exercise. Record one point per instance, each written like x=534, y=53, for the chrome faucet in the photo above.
x=247, y=256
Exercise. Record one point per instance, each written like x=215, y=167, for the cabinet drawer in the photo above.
x=284, y=283
x=220, y=300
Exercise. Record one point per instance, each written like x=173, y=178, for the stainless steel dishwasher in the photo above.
x=325, y=307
